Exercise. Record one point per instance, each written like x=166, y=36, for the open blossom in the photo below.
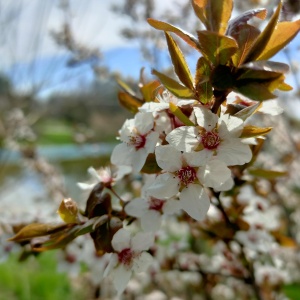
x=270, y=107
x=163, y=103
x=188, y=174
x=256, y=239
x=107, y=175
x=150, y=210
x=130, y=255
x=214, y=136
x=138, y=140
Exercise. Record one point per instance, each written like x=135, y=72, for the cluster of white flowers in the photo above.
x=193, y=160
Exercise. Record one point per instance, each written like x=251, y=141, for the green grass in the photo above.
x=54, y=132
x=35, y=279
x=292, y=291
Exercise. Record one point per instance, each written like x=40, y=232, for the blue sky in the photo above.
x=32, y=58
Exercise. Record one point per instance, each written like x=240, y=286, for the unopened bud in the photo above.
x=68, y=211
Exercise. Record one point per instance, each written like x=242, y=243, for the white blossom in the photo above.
x=188, y=174
x=150, y=210
x=138, y=140
x=214, y=136
x=130, y=255
x=106, y=175
x=163, y=102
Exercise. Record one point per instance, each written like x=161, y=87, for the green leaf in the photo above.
x=199, y=9
x=263, y=39
x=247, y=112
x=149, y=90
x=173, y=86
x=125, y=87
x=266, y=65
x=189, y=39
x=216, y=48
x=38, y=229
x=204, y=91
x=214, y=14
x=282, y=35
x=180, y=115
x=250, y=131
x=284, y=87
x=130, y=102
x=245, y=38
x=276, y=83
x=151, y=166
x=267, y=174
x=254, y=90
x=61, y=239
x=203, y=71
x=267, y=72
x=180, y=66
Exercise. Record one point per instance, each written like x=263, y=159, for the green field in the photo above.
x=35, y=279
x=54, y=132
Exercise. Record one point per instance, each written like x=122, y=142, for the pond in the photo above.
x=21, y=187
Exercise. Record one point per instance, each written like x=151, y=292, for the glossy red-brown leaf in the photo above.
x=180, y=66
x=235, y=24
x=263, y=39
x=216, y=48
x=188, y=38
x=173, y=86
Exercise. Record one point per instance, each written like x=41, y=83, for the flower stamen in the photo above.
x=125, y=257
x=156, y=204
x=187, y=175
x=138, y=141
x=210, y=140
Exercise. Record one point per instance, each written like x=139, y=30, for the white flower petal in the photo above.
x=142, y=241
x=126, y=130
x=94, y=173
x=153, y=107
x=195, y=201
x=121, y=240
x=226, y=186
x=171, y=206
x=122, y=155
x=205, y=118
x=214, y=174
x=184, y=102
x=183, y=138
x=151, y=141
x=113, y=261
x=138, y=159
x=120, y=276
x=136, y=207
x=168, y=158
x=142, y=262
x=144, y=122
x=86, y=186
x=121, y=172
x=234, y=152
x=165, y=185
x=230, y=125
x=196, y=159
x=151, y=221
